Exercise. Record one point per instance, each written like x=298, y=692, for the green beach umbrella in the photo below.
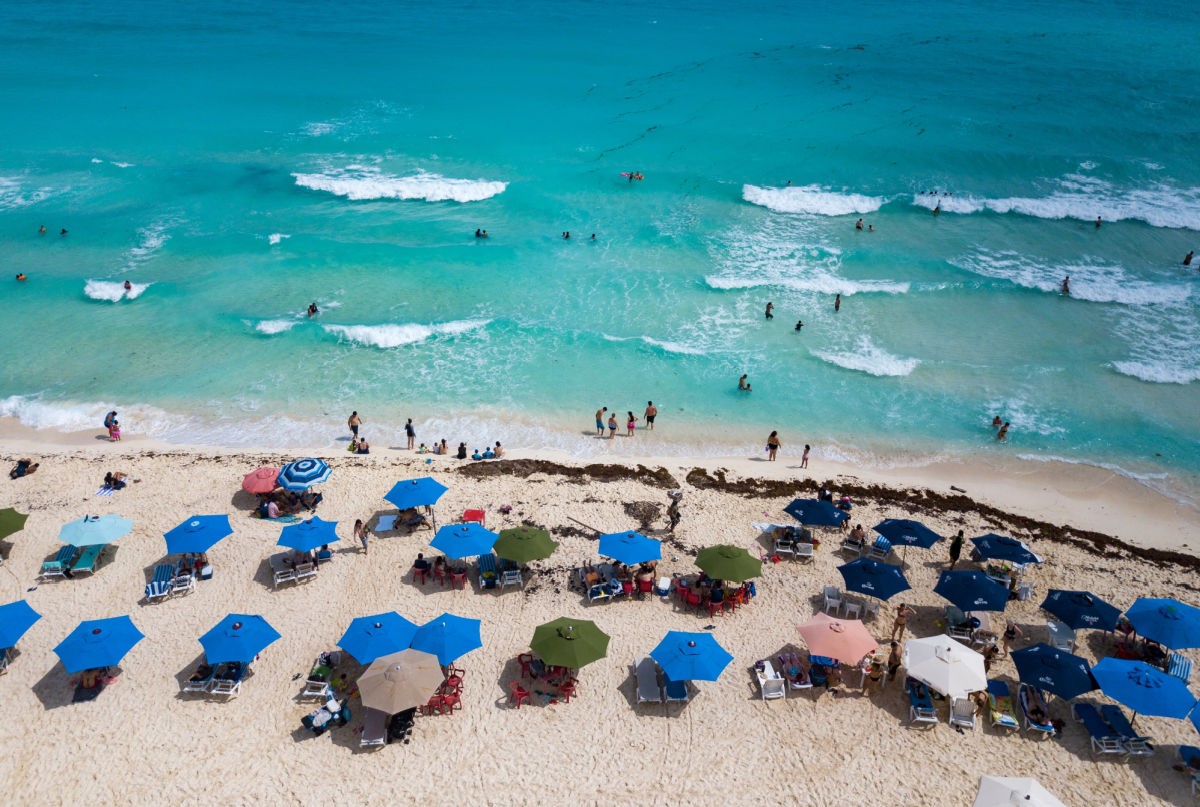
x=11, y=521
x=725, y=562
x=569, y=643
x=523, y=544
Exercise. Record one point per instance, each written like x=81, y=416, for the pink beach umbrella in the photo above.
x=261, y=481
x=845, y=639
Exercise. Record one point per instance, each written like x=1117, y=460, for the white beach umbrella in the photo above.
x=945, y=666
x=1006, y=791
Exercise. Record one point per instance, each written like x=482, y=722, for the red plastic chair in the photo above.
x=450, y=702
x=566, y=689
x=526, y=662
x=518, y=693
x=477, y=516
x=645, y=587
x=627, y=587
x=458, y=579
x=419, y=573
x=693, y=600
x=437, y=702
x=715, y=608
x=440, y=574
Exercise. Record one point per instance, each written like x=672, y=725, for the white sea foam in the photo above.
x=867, y=357
x=270, y=327
x=122, y=165
x=275, y=238
x=812, y=199
x=361, y=182
x=1162, y=344
x=319, y=128
x=388, y=336
x=1143, y=477
x=662, y=344
x=818, y=282
x=97, y=161
x=113, y=291
x=14, y=193
x=1027, y=418
x=150, y=240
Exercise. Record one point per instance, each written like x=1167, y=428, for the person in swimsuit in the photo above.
x=630, y=422
x=1066, y=286
x=770, y=308
x=903, y=612
x=837, y=304
x=600, y=421
x=858, y=225
x=1187, y=259
x=1010, y=635
x=128, y=286
x=1002, y=435
x=650, y=414
x=804, y=459
x=742, y=385
x=313, y=310
x=773, y=446
x=354, y=421
x=612, y=425
x=411, y=433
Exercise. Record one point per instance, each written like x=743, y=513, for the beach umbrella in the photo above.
x=1171, y=623
x=448, y=637
x=523, y=544
x=11, y=521
x=904, y=531
x=630, y=547
x=1006, y=791
x=303, y=474
x=1145, y=689
x=1080, y=609
x=691, y=656
x=571, y=643
x=398, y=681
x=197, y=534
x=15, y=618
x=237, y=637
x=370, y=637
x=264, y=480
x=410, y=493
x=1001, y=547
x=1057, y=671
x=846, y=639
x=724, y=562
x=1195, y=718
x=308, y=535
x=92, y=530
x=945, y=666
x=464, y=540
x=871, y=577
x=816, y=513
x=972, y=590
x=98, y=643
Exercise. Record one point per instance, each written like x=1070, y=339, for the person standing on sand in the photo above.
x=1002, y=435
x=612, y=425
x=676, y=496
x=893, y=661
x=837, y=304
x=956, y=549
x=903, y=612
x=354, y=421
x=360, y=532
x=650, y=414
x=804, y=460
x=770, y=307
x=411, y=433
x=773, y=446
x=600, y=421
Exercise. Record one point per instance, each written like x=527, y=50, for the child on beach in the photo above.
x=114, y=431
x=631, y=419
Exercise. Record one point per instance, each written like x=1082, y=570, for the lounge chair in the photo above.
x=510, y=574
x=4, y=660
x=316, y=688
x=676, y=691
x=771, y=684
x=1002, y=712
x=1135, y=745
x=880, y=549
x=305, y=571
x=375, y=728
x=414, y=522
x=1029, y=697
x=803, y=551
x=645, y=670
x=854, y=546
x=184, y=583
x=1104, y=739
x=488, y=571
x=201, y=680
x=160, y=587
x=58, y=567
x=794, y=672
x=227, y=679
x=1179, y=666
x=88, y=559
x=920, y=704
x=962, y=713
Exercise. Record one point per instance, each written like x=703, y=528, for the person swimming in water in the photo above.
x=858, y=225
x=937, y=208
x=566, y=235
x=42, y=230
x=1097, y=222
x=313, y=310
x=1187, y=259
x=128, y=286
x=1066, y=286
x=799, y=325
x=20, y=277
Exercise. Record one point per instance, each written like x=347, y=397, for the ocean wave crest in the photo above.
x=360, y=183
x=270, y=327
x=867, y=357
x=811, y=199
x=275, y=238
x=1162, y=345
x=14, y=194
x=662, y=344
x=388, y=336
x=113, y=291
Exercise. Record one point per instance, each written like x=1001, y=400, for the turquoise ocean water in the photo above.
x=237, y=161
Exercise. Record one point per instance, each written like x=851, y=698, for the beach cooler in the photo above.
x=663, y=588
x=206, y=572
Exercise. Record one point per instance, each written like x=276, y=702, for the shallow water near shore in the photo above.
x=235, y=171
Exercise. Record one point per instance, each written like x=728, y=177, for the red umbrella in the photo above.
x=845, y=639
x=261, y=481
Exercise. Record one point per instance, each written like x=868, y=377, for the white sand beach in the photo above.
x=141, y=741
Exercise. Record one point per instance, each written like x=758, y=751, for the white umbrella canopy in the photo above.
x=400, y=681
x=945, y=666
x=1006, y=791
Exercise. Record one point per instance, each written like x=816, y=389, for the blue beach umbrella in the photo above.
x=370, y=637
x=1145, y=689
x=906, y=532
x=237, y=637
x=448, y=637
x=15, y=618
x=1053, y=670
x=308, y=535
x=197, y=534
x=303, y=474
x=630, y=547
x=972, y=590
x=867, y=576
x=98, y=643
x=92, y=530
x=688, y=656
x=1195, y=718
x=422, y=492
x=1001, y=547
x=464, y=540
x=1080, y=609
x=1171, y=623
x=815, y=513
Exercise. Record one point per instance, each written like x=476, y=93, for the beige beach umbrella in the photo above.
x=1006, y=791
x=399, y=681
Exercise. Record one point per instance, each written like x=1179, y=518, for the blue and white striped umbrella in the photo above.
x=302, y=474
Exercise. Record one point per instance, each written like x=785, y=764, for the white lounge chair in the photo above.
x=183, y=584
x=962, y=713
x=771, y=684
x=645, y=669
x=511, y=577
x=374, y=733
x=305, y=570
x=803, y=551
x=316, y=690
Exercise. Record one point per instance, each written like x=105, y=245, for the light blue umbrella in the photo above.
x=197, y=534
x=1054, y=670
x=630, y=547
x=464, y=540
x=448, y=637
x=15, y=618
x=688, y=656
x=1171, y=623
x=1145, y=689
x=92, y=530
x=422, y=492
x=303, y=474
x=370, y=637
x=972, y=590
x=98, y=643
x=867, y=576
x=1002, y=547
x=237, y=637
x=308, y=535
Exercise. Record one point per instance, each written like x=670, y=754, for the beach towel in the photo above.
x=105, y=490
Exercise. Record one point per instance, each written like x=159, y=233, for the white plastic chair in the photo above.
x=851, y=609
x=770, y=683
x=833, y=600
x=871, y=609
x=962, y=713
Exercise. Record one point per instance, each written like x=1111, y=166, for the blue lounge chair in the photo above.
x=1029, y=697
x=880, y=549
x=88, y=558
x=487, y=566
x=164, y=580
x=1003, y=713
x=1104, y=739
x=1135, y=744
x=676, y=691
x=1180, y=666
x=920, y=704
x=58, y=567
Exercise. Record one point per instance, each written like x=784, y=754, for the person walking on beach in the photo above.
x=109, y=420
x=600, y=421
x=837, y=304
x=411, y=433
x=1002, y=435
x=903, y=612
x=650, y=414
x=773, y=446
x=956, y=549
x=612, y=425
x=676, y=496
x=630, y=423
x=893, y=661
x=804, y=460
x=770, y=307
x=354, y=421
x=361, y=533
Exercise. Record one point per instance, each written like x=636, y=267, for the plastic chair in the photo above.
x=566, y=689
x=692, y=599
x=450, y=702
x=436, y=702
x=477, y=516
x=419, y=573
x=440, y=574
x=645, y=587
x=518, y=693
x=715, y=608
x=852, y=610
x=526, y=662
x=458, y=579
